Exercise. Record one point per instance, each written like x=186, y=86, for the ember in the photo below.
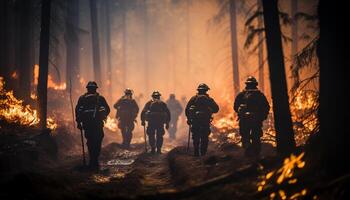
x=285, y=174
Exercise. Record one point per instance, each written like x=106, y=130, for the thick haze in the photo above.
x=169, y=72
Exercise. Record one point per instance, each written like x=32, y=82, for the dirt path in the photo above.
x=125, y=173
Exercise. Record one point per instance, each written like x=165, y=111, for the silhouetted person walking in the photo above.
x=252, y=108
x=127, y=110
x=91, y=112
x=157, y=114
x=199, y=112
x=175, y=110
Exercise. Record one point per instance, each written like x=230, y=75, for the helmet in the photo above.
x=203, y=86
x=172, y=96
x=91, y=84
x=156, y=94
x=128, y=91
x=251, y=80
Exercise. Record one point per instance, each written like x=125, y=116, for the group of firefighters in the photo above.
x=92, y=110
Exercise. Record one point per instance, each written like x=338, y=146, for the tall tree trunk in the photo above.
x=282, y=116
x=72, y=44
x=44, y=61
x=108, y=46
x=261, y=52
x=124, y=47
x=95, y=42
x=146, y=44
x=25, y=60
x=234, y=46
x=333, y=105
x=4, y=50
x=294, y=50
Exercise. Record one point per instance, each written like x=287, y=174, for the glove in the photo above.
x=143, y=123
x=167, y=126
x=79, y=126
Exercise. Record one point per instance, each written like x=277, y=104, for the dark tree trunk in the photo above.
x=146, y=56
x=95, y=43
x=26, y=48
x=4, y=50
x=108, y=45
x=294, y=48
x=333, y=104
x=234, y=46
x=282, y=116
x=261, y=52
x=44, y=60
x=72, y=44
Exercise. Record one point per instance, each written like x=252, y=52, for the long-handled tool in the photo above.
x=144, y=135
x=189, y=139
x=82, y=144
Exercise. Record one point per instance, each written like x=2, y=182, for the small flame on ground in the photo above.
x=111, y=124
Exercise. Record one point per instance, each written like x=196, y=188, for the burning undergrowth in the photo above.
x=304, y=106
x=12, y=110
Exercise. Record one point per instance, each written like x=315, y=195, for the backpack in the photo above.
x=92, y=110
x=125, y=110
x=200, y=110
x=156, y=112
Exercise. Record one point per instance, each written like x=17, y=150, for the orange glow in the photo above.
x=12, y=110
x=50, y=83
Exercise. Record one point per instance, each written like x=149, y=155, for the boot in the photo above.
x=196, y=151
x=153, y=150
x=159, y=151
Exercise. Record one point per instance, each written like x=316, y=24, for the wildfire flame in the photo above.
x=50, y=83
x=111, y=124
x=13, y=110
x=304, y=115
x=304, y=118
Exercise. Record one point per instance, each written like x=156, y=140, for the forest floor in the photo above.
x=224, y=173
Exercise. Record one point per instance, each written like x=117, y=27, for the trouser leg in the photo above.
x=160, y=133
x=196, y=140
x=256, y=141
x=244, y=131
x=151, y=137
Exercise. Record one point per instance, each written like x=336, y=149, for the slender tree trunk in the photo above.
x=108, y=46
x=234, y=46
x=146, y=44
x=282, y=116
x=44, y=61
x=124, y=47
x=25, y=48
x=261, y=52
x=95, y=43
x=72, y=45
x=294, y=50
x=4, y=50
